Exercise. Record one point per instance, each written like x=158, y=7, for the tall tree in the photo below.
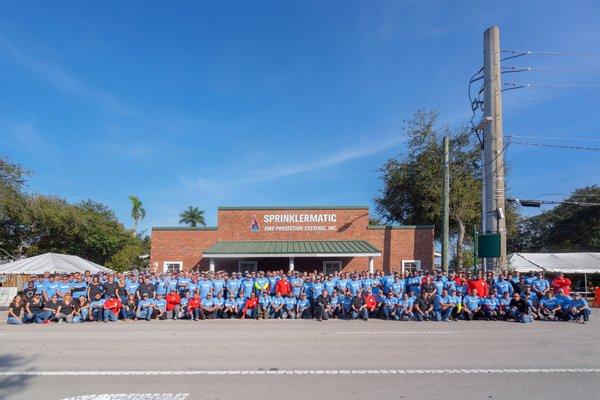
x=192, y=216
x=14, y=217
x=138, y=212
x=567, y=227
x=412, y=192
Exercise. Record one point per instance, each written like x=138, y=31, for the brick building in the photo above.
x=301, y=238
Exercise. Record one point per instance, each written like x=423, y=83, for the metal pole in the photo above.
x=493, y=145
x=446, y=210
x=475, y=251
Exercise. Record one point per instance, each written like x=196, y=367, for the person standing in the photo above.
x=560, y=282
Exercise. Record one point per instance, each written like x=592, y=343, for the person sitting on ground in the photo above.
x=289, y=306
x=549, y=307
x=219, y=303
x=371, y=303
x=53, y=307
x=359, y=307
x=423, y=307
x=231, y=310
x=405, y=307
x=579, y=310
x=490, y=306
x=173, y=304
x=16, y=311
x=194, y=307
x=129, y=308
x=82, y=309
x=251, y=306
x=66, y=310
x=519, y=309
x=390, y=307
x=322, y=306
x=34, y=310
x=145, y=307
x=112, y=308
x=208, y=307
x=277, y=306
x=504, y=305
x=472, y=305
x=159, y=306
x=443, y=306
x=303, y=307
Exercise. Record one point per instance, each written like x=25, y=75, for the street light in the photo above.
x=485, y=121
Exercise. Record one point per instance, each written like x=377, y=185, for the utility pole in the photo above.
x=493, y=213
x=446, y=210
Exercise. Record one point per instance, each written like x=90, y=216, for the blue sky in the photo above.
x=277, y=102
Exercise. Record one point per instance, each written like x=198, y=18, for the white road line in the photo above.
x=309, y=372
x=131, y=396
x=394, y=333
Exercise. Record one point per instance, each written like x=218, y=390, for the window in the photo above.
x=249, y=266
x=411, y=265
x=329, y=267
x=172, y=266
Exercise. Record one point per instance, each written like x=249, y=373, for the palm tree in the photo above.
x=137, y=211
x=192, y=216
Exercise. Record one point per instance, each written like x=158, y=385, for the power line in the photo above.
x=558, y=146
x=551, y=53
x=511, y=68
x=555, y=138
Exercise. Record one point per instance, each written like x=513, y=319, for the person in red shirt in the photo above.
x=560, y=282
x=194, y=308
x=370, y=302
x=250, y=307
x=480, y=284
x=112, y=308
x=283, y=286
x=173, y=304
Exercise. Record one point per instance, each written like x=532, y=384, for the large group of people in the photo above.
x=416, y=296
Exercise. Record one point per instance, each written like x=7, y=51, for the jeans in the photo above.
x=320, y=313
x=424, y=316
x=110, y=316
x=390, y=312
x=38, y=317
x=67, y=318
x=127, y=314
x=14, y=321
x=174, y=313
x=98, y=314
x=289, y=314
x=585, y=313
x=362, y=313
x=443, y=314
x=145, y=313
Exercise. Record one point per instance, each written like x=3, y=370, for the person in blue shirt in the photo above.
x=398, y=286
x=261, y=283
x=218, y=284
x=564, y=302
x=549, y=307
x=413, y=283
x=405, y=305
x=161, y=286
x=471, y=306
x=387, y=281
x=205, y=287
x=390, y=307
x=208, y=307
x=183, y=305
x=443, y=306
x=277, y=306
x=79, y=288
x=132, y=286
x=329, y=284
x=183, y=283
x=63, y=287
x=219, y=304
x=307, y=289
x=336, y=305
x=231, y=308
x=303, y=307
x=297, y=283
x=171, y=283
x=317, y=289
x=504, y=305
x=247, y=286
x=342, y=284
x=490, y=306
x=273, y=279
x=439, y=284
x=159, y=306
x=264, y=305
x=579, y=310
x=233, y=285
x=529, y=279
x=532, y=299
x=50, y=288
x=540, y=286
x=289, y=306
x=240, y=302
x=457, y=300
x=145, y=308
x=503, y=286
x=354, y=285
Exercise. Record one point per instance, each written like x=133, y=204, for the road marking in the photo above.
x=394, y=333
x=132, y=396
x=310, y=372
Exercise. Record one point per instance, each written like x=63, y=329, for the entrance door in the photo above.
x=249, y=266
x=329, y=267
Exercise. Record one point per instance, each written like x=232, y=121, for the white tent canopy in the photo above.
x=51, y=262
x=569, y=263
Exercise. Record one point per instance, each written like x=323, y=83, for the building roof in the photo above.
x=293, y=248
x=52, y=262
x=570, y=263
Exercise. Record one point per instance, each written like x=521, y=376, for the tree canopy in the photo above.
x=32, y=224
x=192, y=216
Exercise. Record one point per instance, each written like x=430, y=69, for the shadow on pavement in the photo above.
x=12, y=384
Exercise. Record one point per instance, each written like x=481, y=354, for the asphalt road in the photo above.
x=300, y=359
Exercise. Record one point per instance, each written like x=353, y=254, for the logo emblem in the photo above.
x=254, y=226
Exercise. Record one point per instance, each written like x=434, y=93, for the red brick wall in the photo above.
x=351, y=224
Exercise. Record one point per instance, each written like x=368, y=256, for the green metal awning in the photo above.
x=293, y=248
